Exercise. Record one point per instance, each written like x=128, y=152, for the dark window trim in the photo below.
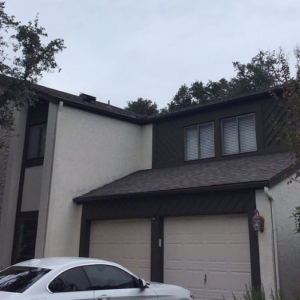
x=238, y=132
x=27, y=215
x=29, y=122
x=198, y=141
x=36, y=159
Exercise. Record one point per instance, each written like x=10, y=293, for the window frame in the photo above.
x=135, y=280
x=39, y=143
x=65, y=270
x=238, y=133
x=198, y=141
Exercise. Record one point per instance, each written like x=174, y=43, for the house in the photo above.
x=171, y=197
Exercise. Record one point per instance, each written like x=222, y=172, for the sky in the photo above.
x=120, y=50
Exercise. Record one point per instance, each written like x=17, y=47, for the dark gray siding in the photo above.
x=168, y=134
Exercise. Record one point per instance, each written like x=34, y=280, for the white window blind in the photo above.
x=239, y=135
x=230, y=136
x=207, y=144
x=247, y=133
x=200, y=142
x=191, y=136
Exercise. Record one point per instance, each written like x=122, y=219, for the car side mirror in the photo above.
x=142, y=283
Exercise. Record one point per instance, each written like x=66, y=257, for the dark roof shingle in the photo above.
x=255, y=170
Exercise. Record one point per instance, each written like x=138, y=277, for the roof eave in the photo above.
x=92, y=109
x=223, y=187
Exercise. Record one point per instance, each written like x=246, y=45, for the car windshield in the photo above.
x=19, y=279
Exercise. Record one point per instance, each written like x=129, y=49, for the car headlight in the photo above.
x=192, y=296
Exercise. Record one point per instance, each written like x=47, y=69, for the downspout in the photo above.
x=59, y=109
x=274, y=236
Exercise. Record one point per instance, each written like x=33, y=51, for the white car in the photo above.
x=63, y=278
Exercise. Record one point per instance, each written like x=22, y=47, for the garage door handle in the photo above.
x=103, y=297
x=205, y=279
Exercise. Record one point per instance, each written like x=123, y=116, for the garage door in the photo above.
x=126, y=242
x=208, y=255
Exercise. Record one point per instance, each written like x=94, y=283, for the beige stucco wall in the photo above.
x=90, y=151
x=11, y=188
x=4, y=151
x=286, y=198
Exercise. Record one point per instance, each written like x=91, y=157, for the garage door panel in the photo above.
x=237, y=253
x=127, y=242
x=213, y=246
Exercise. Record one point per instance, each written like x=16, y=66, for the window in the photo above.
x=27, y=229
x=19, y=279
x=239, y=135
x=199, y=141
x=73, y=280
x=37, y=141
x=105, y=277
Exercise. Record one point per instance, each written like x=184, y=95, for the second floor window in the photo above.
x=239, y=134
x=37, y=141
x=199, y=141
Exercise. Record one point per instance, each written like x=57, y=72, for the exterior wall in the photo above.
x=146, y=147
x=90, y=151
x=286, y=198
x=169, y=133
x=32, y=189
x=4, y=151
x=266, y=245
x=46, y=178
x=11, y=189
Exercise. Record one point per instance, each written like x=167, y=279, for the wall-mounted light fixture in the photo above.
x=258, y=222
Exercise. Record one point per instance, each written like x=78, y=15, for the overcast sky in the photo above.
x=120, y=50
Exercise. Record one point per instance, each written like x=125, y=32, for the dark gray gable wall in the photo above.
x=168, y=133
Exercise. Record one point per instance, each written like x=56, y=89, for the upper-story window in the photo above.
x=37, y=141
x=239, y=134
x=199, y=141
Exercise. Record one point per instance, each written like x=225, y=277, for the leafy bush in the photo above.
x=296, y=216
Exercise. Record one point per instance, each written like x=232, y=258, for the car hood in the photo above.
x=162, y=289
x=8, y=295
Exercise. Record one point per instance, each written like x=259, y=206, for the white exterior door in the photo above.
x=208, y=255
x=126, y=242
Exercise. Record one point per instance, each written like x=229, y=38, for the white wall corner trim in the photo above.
x=266, y=244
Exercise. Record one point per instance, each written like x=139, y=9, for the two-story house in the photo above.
x=171, y=197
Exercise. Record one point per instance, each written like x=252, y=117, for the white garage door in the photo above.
x=126, y=242
x=208, y=255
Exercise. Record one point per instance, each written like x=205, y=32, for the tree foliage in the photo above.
x=259, y=74
x=23, y=60
x=296, y=216
x=143, y=107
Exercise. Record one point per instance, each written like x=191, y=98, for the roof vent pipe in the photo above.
x=108, y=102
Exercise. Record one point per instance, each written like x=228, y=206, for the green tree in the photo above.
x=143, y=107
x=182, y=99
x=23, y=60
x=296, y=216
x=259, y=74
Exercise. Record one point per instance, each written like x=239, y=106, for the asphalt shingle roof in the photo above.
x=254, y=170
x=70, y=98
